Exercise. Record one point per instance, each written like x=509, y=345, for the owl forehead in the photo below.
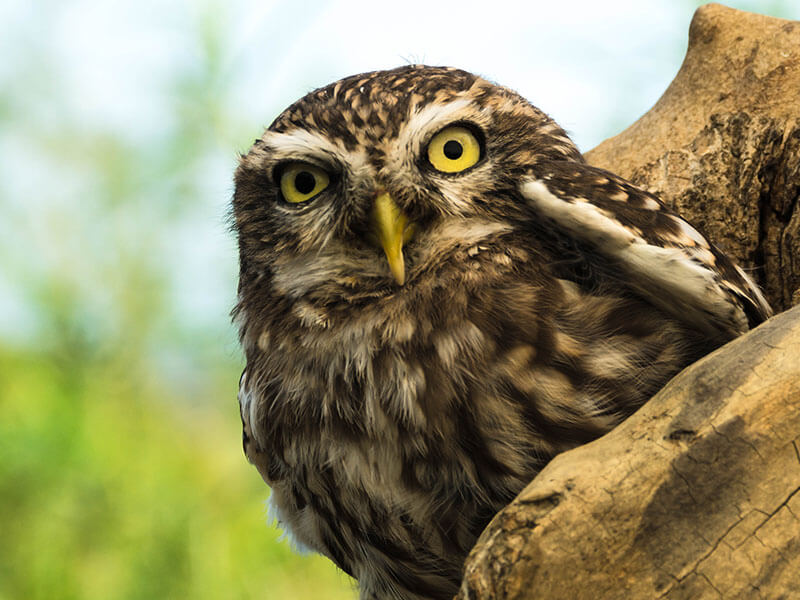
x=364, y=109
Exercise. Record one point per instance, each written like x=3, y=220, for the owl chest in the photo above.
x=371, y=424
x=377, y=477
x=379, y=377
x=477, y=386
x=395, y=412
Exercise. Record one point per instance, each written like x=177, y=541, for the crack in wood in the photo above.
x=774, y=512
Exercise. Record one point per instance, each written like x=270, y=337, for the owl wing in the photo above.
x=660, y=256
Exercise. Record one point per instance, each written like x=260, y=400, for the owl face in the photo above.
x=362, y=188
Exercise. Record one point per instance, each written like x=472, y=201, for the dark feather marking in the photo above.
x=574, y=433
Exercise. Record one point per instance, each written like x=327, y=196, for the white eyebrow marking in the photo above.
x=433, y=115
x=300, y=144
x=301, y=141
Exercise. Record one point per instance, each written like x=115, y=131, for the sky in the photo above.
x=581, y=61
x=84, y=82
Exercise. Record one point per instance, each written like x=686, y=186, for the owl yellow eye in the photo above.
x=454, y=149
x=302, y=181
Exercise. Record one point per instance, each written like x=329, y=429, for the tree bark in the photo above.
x=697, y=495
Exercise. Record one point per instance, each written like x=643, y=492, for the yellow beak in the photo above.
x=392, y=229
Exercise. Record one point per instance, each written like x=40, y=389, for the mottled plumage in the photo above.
x=421, y=341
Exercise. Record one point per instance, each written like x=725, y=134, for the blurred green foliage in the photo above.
x=111, y=489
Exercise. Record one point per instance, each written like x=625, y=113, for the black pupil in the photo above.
x=453, y=149
x=304, y=182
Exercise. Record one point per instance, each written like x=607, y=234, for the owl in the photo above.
x=437, y=295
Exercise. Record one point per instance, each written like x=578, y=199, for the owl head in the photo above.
x=363, y=187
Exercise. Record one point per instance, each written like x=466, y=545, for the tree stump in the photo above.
x=697, y=495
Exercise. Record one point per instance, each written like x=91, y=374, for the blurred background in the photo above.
x=121, y=470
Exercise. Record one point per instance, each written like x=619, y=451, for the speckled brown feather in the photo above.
x=392, y=422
